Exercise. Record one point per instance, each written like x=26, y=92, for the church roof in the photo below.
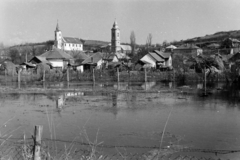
x=56, y=54
x=126, y=47
x=72, y=40
x=57, y=27
x=115, y=26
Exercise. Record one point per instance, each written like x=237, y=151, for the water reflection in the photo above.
x=148, y=85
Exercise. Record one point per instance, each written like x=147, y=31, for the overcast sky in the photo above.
x=35, y=20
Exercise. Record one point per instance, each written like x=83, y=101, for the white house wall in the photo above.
x=149, y=59
x=57, y=63
x=80, y=68
x=99, y=64
x=168, y=63
x=72, y=46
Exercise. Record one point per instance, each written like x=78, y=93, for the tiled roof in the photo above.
x=171, y=47
x=72, y=40
x=93, y=59
x=77, y=54
x=40, y=59
x=56, y=54
x=156, y=57
x=163, y=54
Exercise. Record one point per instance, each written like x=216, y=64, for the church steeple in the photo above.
x=58, y=38
x=57, y=28
x=115, y=42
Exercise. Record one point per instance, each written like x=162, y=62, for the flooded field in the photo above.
x=127, y=117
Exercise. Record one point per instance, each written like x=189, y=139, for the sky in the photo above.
x=26, y=21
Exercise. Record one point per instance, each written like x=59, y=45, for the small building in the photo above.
x=170, y=48
x=167, y=56
x=190, y=49
x=58, y=58
x=94, y=61
x=157, y=59
x=152, y=59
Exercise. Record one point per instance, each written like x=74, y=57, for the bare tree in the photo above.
x=133, y=41
x=149, y=40
x=165, y=43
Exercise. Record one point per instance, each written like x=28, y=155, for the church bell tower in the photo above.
x=115, y=42
x=58, y=43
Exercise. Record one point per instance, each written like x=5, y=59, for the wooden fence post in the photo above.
x=67, y=74
x=19, y=78
x=145, y=71
x=44, y=75
x=37, y=142
x=93, y=75
x=118, y=74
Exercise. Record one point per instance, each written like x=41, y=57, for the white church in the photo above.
x=75, y=44
x=67, y=43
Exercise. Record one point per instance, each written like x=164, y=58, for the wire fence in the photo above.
x=19, y=149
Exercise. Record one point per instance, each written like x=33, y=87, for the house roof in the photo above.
x=56, y=54
x=213, y=45
x=121, y=55
x=78, y=54
x=72, y=40
x=235, y=57
x=39, y=59
x=163, y=54
x=188, y=46
x=171, y=47
x=156, y=56
x=93, y=59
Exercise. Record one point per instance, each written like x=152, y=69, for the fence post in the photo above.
x=145, y=71
x=93, y=75
x=37, y=142
x=19, y=77
x=44, y=75
x=118, y=74
x=205, y=82
x=67, y=74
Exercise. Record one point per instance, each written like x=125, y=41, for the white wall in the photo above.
x=168, y=63
x=150, y=60
x=99, y=64
x=57, y=63
x=80, y=68
x=72, y=46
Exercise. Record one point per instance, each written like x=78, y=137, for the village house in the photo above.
x=188, y=49
x=95, y=61
x=57, y=57
x=157, y=59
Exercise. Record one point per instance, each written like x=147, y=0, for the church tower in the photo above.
x=58, y=43
x=115, y=42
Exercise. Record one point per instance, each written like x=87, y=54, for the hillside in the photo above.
x=216, y=37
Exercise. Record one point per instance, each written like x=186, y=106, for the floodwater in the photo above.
x=129, y=117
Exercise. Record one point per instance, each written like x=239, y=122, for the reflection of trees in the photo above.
x=230, y=93
x=227, y=92
x=10, y=96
